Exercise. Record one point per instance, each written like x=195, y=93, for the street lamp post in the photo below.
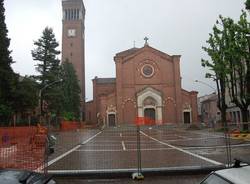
x=40, y=96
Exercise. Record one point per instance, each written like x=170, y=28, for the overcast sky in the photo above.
x=176, y=27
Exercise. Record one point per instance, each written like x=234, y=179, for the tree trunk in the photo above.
x=224, y=118
x=222, y=104
x=245, y=117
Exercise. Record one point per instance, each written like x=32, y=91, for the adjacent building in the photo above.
x=208, y=111
x=233, y=112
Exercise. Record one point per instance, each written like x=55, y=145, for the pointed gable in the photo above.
x=131, y=53
x=127, y=52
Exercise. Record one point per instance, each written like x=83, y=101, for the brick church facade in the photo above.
x=147, y=84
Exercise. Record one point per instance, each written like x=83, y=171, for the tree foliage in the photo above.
x=247, y=3
x=60, y=98
x=215, y=51
x=71, y=90
x=7, y=76
x=230, y=62
x=26, y=95
x=238, y=57
x=45, y=54
x=48, y=67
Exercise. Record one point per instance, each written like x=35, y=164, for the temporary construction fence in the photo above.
x=70, y=125
x=23, y=148
x=163, y=147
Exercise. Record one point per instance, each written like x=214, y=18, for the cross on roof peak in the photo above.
x=146, y=40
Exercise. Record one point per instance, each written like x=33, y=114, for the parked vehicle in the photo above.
x=238, y=174
x=8, y=176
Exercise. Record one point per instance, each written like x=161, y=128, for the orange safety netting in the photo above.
x=146, y=121
x=70, y=125
x=23, y=148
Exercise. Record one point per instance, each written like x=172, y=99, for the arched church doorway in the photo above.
x=149, y=104
x=111, y=120
x=149, y=113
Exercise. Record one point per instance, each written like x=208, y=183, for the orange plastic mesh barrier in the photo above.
x=69, y=125
x=23, y=148
x=144, y=121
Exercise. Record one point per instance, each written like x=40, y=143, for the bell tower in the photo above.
x=73, y=38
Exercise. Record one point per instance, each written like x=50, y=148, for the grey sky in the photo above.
x=173, y=26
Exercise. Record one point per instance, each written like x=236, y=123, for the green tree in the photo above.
x=229, y=51
x=247, y=3
x=71, y=90
x=217, y=65
x=26, y=95
x=46, y=54
x=237, y=53
x=7, y=76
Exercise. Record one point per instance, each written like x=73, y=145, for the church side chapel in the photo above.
x=147, y=84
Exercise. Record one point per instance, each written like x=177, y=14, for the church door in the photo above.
x=111, y=119
x=149, y=113
x=186, y=117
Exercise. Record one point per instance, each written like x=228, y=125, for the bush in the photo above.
x=68, y=116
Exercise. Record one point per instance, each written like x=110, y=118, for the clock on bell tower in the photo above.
x=73, y=39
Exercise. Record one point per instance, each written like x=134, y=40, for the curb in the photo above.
x=127, y=173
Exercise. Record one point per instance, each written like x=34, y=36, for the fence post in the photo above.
x=228, y=144
x=138, y=175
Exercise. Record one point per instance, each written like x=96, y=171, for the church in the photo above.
x=147, y=84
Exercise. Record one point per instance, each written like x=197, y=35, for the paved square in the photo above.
x=161, y=147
